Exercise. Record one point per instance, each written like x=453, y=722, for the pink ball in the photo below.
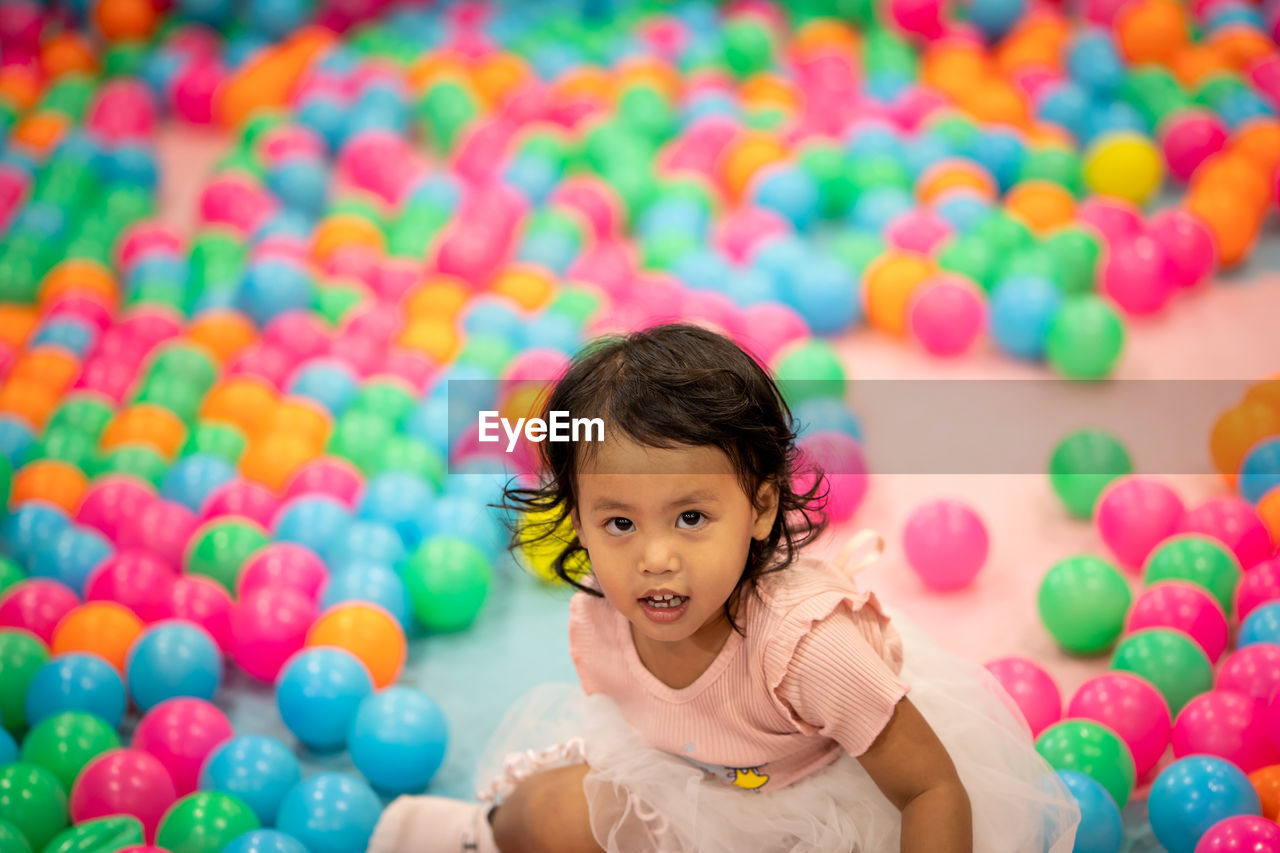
x=1189, y=247
x=87, y=307
x=37, y=605
x=373, y=320
x=301, y=334
x=1227, y=724
x=264, y=361
x=396, y=277
x=1134, y=515
x=839, y=457
x=193, y=89
x=1031, y=688
x=1185, y=607
x=920, y=231
x=1240, y=834
x=1260, y=585
x=741, y=231
x=111, y=377
x=180, y=733
x=1113, y=218
x=1264, y=73
x=1234, y=522
x=946, y=544
x=535, y=365
x=243, y=498
x=706, y=307
x=471, y=251
x=413, y=368
x=328, y=476
x=267, y=626
x=1102, y=11
x=610, y=265
x=481, y=148
x=1190, y=137
x=205, y=602
x=362, y=353
x=765, y=329
x=1136, y=275
x=1131, y=707
x=283, y=565
x=946, y=315
x=143, y=848
x=123, y=781
x=150, y=326
x=593, y=200
x=698, y=149
x=235, y=200
x=918, y=17
x=122, y=109
x=495, y=206
x=139, y=580
x=291, y=141
x=1271, y=716
x=376, y=161
x=163, y=528
x=1253, y=670
x=112, y=501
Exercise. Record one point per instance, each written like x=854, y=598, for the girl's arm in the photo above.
x=912, y=768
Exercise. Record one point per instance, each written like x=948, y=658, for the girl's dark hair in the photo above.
x=669, y=386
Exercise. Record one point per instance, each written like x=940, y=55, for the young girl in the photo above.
x=737, y=695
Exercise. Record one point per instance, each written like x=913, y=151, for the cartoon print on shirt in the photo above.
x=748, y=777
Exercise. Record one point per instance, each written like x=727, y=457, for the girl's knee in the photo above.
x=547, y=812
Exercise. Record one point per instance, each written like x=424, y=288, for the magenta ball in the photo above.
x=1188, y=138
x=300, y=333
x=765, y=329
x=946, y=544
x=377, y=161
x=264, y=361
x=149, y=326
x=594, y=201
x=145, y=237
x=839, y=457
x=1113, y=218
x=283, y=565
x=1253, y=670
x=1234, y=522
x=741, y=231
x=162, y=527
x=242, y=498
x=1188, y=244
x=1227, y=724
x=412, y=368
x=698, y=150
x=236, y=201
x=193, y=88
x=1260, y=585
x=1032, y=689
x=918, y=17
x=946, y=315
x=373, y=321
x=1241, y=834
x=920, y=231
x=37, y=605
x=205, y=602
x=1134, y=515
x=180, y=733
x=327, y=476
x=110, y=502
x=1185, y=607
x=138, y=580
x=1136, y=275
x=396, y=277
x=706, y=307
x=267, y=626
x=111, y=376
x=123, y=109
x=291, y=141
x=1131, y=707
x=123, y=781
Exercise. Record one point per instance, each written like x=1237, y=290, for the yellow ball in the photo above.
x=538, y=556
x=1125, y=165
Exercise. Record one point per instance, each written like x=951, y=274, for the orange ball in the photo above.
x=20, y=86
x=890, y=282
x=52, y=481
x=77, y=275
x=1237, y=430
x=125, y=20
x=39, y=132
x=1268, y=510
x=271, y=459
x=369, y=633
x=1030, y=50
x=769, y=90
x=585, y=81
x=955, y=66
x=1234, y=225
x=1266, y=392
x=432, y=66
x=31, y=401
x=1043, y=134
x=66, y=52
x=820, y=34
x=299, y=417
x=528, y=286
x=222, y=333
x=997, y=102
x=102, y=628
x=440, y=297
x=743, y=157
x=1244, y=178
x=1241, y=46
x=1195, y=62
x=1266, y=781
x=242, y=401
x=646, y=71
x=1258, y=141
x=948, y=175
x=145, y=423
x=436, y=338
x=497, y=75
x=341, y=230
x=51, y=366
x=17, y=322
x=1042, y=205
x=1149, y=31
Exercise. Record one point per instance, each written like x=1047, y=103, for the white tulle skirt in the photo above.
x=644, y=800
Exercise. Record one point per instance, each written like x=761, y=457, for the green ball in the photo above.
x=10, y=572
x=360, y=437
x=12, y=840
x=1086, y=338
x=444, y=111
x=577, y=302
x=488, y=352
x=827, y=164
x=1199, y=560
x=1094, y=750
x=218, y=439
x=219, y=549
x=21, y=654
x=402, y=453
x=855, y=249
x=748, y=46
x=126, y=58
x=1083, y=601
x=389, y=399
x=64, y=743
x=1082, y=465
x=1076, y=251
x=1034, y=261
x=103, y=835
x=175, y=393
x=6, y=481
x=32, y=801
x=1005, y=234
x=878, y=171
x=157, y=293
x=66, y=445
x=810, y=369
x=135, y=460
x=646, y=111
x=448, y=580
x=1170, y=660
x=205, y=822
x=69, y=94
x=971, y=256
x=334, y=302
x=184, y=361
x=83, y=411
x=661, y=251
x=1058, y=164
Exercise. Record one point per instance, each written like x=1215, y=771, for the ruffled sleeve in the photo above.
x=582, y=639
x=832, y=667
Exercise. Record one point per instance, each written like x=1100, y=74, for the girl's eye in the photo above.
x=620, y=524
x=692, y=517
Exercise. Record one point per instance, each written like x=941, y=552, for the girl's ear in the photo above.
x=767, y=500
x=576, y=522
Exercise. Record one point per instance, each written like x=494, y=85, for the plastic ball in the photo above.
x=137, y=580
x=205, y=822
x=1261, y=626
x=1022, y=312
x=259, y=770
x=1267, y=783
x=1186, y=607
x=32, y=801
x=12, y=838
x=64, y=743
x=267, y=627
x=840, y=458
x=398, y=739
x=330, y=813
x=1031, y=688
x=75, y=682
x=366, y=541
x=888, y=287
x=1226, y=724
x=1136, y=275
x=1082, y=465
x=1085, y=338
x=27, y=526
x=370, y=582
x=1260, y=585
x=123, y=782
x=36, y=605
x=1240, y=833
x=448, y=580
x=103, y=628
x=1101, y=828
x=335, y=478
x=946, y=544
x=1194, y=793
x=206, y=603
x=946, y=315
x=369, y=633
x=1134, y=514
x=1188, y=138
x=1199, y=560
x=1260, y=470
x=71, y=556
x=1170, y=660
x=181, y=733
x=283, y=564
x=265, y=841
x=317, y=694
x=1132, y=708
x=173, y=659
x=1082, y=602
x=1235, y=524
x=1094, y=750
x=219, y=549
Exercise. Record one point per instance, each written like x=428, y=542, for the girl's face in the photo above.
x=656, y=521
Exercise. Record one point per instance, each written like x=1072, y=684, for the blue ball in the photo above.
x=751, y=287
x=1232, y=12
x=873, y=138
x=707, y=103
x=1116, y=115
x=398, y=739
x=215, y=298
x=1066, y=105
x=329, y=382
x=533, y=175
x=131, y=164
x=28, y=527
x=780, y=258
x=271, y=287
x=876, y=208
x=284, y=223
x=464, y=518
x=554, y=251
x=371, y=582
x=275, y=19
x=429, y=423
x=924, y=151
x=70, y=333
x=554, y=330
x=212, y=12
x=493, y=315
x=70, y=556
x=193, y=478
x=1260, y=470
x=265, y=841
x=76, y=682
x=1094, y=64
x=1002, y=153
x=1022, y=310
x=258, y=769
x=963, y=210
x=826, y=296
x=826, y=414
x=704, y=269
x=1262, y=625
x=8, y=748
x=16, y=439
x=788, y=191
x=395, y=498
x=886, y=86
x=439, y=189
x=1193, y=794
x=330, y=813
x=172, y=659
x=312, y=520
x=1240, y=107
x=1101, y=828
x=301, y=184
x=362, y=541
x=317, y=694
x=326, y=115
x=995, y=17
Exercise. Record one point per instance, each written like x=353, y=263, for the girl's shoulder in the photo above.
x=812, y=575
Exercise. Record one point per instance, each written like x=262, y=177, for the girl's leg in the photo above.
x=546, y=813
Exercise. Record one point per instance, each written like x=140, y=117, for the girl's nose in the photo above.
x=658, y=557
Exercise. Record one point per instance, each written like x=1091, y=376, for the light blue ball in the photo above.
x=16, y=439
x=271, y=287
x=886, y=86
x=1066, y=105
x=704, y=269
x=708, y=103
x=70, y=333
x=70, y=556
x=554, y=330
x=193, y=478
x=788, y=191
x=1114, y=116
x=301, y=184
x=925, y=151
x=395, y=498
x=963, y=210
x=1094, y=64
x=780, y=258
x=326, y=115
x=1002, y=153
x=330, y=813
x=364, y=540
x=1262, y=625
x=76, y=682
x=439, y=189
x=1022, y=310
x=876, y=208
x=372, y=582
x=28, y=527
x=265, y=841
x=995, y=17
x=464, y=518
x=131, y=164
x=826, y=414
x=1231, y=12
x=554, y=251
x=826, y=296
x=1260, y=470
x=215, y=298
x=429, y=423
x=275, y=19
x=750, y=287
x=533, y=175
x=1240, y=107
x=328, y=382
x=284, y=223
x=1101, y=828
x=8, y=748
x=398, y=739
x=172, y=659
x=673, y=215
x=1193, y=794
x=312, y=520
x=870, y=139
x=493, y=315
x=317, y=694
x=256, y=768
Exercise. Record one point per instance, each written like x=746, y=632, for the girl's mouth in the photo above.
x=665, y=609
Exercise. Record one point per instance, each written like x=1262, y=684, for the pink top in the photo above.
x=815, y=675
